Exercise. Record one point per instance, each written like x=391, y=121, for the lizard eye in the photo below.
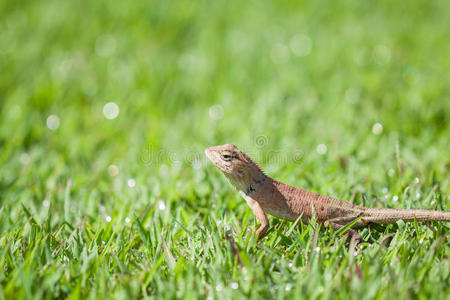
x=226, y=156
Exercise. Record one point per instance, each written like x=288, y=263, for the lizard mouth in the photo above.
x=211, y=155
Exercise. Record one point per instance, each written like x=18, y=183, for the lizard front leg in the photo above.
x=260, y=216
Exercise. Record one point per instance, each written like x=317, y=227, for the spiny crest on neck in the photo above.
x=250, y=161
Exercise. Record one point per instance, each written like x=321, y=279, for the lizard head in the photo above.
x=236, y=165
x=228, y=158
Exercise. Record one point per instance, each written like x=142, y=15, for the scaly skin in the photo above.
x=266, y=195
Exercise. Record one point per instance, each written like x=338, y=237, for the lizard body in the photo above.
x=266, y=195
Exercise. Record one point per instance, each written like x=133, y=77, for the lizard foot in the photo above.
x=355, y=237
x=262, y=230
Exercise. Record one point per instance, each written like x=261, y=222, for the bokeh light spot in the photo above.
x=113, y=170
x=301, y=45
x=111, y=110
x=53, y=122
x=382, y=55
x=161, y=205
x=321, y=149
x=131, y=183
x=411, y=75
x=216, y=112
x=377, y=128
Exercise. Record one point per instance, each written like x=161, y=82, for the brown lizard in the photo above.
x=266, y=195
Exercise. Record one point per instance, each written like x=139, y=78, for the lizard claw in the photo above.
x=262, y=230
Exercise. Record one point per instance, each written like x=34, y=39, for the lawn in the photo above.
x=106, y=109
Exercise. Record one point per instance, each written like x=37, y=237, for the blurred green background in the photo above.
x=106, y=107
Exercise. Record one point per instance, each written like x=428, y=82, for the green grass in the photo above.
x=191, y=74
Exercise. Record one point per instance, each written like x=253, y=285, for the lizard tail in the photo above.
x=388, y=216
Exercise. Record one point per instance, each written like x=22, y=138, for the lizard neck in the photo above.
x=250, y=181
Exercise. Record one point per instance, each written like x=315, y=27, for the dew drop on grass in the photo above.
x=216, y=112
x=288, y=287
x=127, y=220
x=417, y=180
x=377, y=128
x=219, y=287
x=161, y=205
x=111, y=110
x=391, y=172
x=53, y=122
x=322, y=149
x=131, y=183
x=418, y=195
x=108, y=219
x=395, y=198
x=113, y=170
x=234, y=285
